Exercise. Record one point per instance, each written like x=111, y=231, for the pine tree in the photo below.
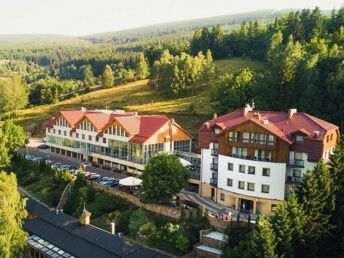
x=108, y=78
x=264, y=239
x=336, y=241
x=318, y=201
x=288, y=224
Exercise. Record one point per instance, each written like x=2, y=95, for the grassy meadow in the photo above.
x=190, y=111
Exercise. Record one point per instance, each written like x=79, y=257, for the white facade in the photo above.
x=275, y=181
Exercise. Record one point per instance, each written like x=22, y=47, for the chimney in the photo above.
x=257, y=116
x=136, y=114
x=113, y=228
x=83, y=109
x=214, y=115
x=85, y=217
x=247, y=108
x=291, y=112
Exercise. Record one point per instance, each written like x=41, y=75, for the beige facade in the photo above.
x=260, y=205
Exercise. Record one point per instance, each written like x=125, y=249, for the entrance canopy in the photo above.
x=130, y=181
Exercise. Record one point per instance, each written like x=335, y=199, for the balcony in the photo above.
x=292, y=179
x=213, y=181
x=214, y=152
x=251, y=158
x=297, y=163
x=213, y=166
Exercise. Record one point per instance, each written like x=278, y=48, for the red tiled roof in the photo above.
x=148, y=126
x=140, y=127
x=278, y=123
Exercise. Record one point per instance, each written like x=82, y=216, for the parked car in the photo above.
x=36, y=159
x=43, y=146
x=92, y=176
x=101, y=180
x=56, y=165
x=65, y=167
x=49, y=162
x=29, y=157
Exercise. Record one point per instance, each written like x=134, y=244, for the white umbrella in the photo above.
x=130, y=181
x=184, y=162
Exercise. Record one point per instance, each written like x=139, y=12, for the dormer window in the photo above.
x=299, y=138
x=217, y=130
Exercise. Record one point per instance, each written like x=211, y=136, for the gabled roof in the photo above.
x=139, y=128
x=148, y=126
x=278, y=123
x=67, y=233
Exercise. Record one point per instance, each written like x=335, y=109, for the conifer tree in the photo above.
x=318, y=201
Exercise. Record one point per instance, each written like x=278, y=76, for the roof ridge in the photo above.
x=312, y=120
x=78, y=235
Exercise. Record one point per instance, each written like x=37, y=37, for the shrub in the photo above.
x=146, y=230
x=137, y=219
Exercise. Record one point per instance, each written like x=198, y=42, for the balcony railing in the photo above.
x=213, y=166
x=297, y=162
x=292, y=179
x=214, y=152
x=213, y=181
x=250, y=158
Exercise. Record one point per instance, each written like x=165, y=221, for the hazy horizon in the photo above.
x=79, y=18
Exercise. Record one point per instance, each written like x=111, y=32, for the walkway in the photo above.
x=213, y=206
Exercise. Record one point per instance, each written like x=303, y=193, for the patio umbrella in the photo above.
x=130, y=181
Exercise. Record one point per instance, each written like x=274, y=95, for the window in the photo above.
x=271, y=139
x=297, y=173
x=104, y=140
x=222, y=197
x=331, y=136
x=254, y=137
x=251, y=170
x=59, y=132
x=90, y=137
x=298, y=155
x=265, y=188
x=299, y=138
x=266, y=172
x=70, y=134
x=230, y=166
x=97, y=139
x=273, y=207
x=229, y=182
x=262, y=138
x=241, y=185
x=77, y=135
x=250, y=186
x=242, y=168
x=54, y=131
x=327, y=138
x=239, y=152
x=234, y=136
x=64, y=133
x=246, y=137
x=83, y=136
x=217, y=130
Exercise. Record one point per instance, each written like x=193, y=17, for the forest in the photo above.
x=303, y=50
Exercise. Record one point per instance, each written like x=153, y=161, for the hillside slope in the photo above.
x=190, y=111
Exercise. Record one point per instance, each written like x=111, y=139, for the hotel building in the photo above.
x=251, y=159
x=114, y=139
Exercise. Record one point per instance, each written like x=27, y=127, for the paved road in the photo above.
x=46, y=154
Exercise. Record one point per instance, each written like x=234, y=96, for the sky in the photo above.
x=83, y=17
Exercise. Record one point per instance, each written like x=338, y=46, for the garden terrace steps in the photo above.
x=211, y=243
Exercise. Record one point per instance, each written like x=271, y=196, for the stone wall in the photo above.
x=171, y=212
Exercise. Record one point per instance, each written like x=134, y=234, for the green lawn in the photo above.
x=234, y=65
